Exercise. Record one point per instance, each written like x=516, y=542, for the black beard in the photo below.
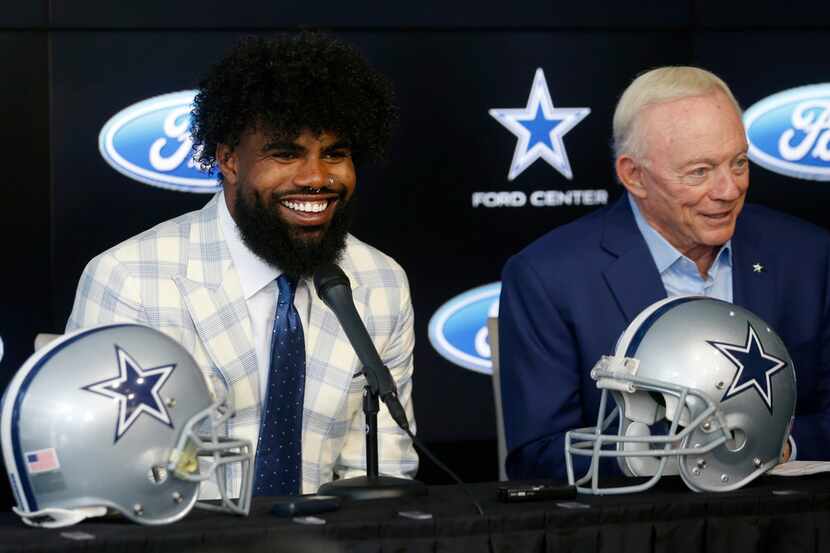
x=284, y=246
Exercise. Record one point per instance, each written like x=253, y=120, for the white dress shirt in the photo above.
x=259, y=284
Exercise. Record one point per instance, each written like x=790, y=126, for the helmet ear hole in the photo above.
x=737, y=442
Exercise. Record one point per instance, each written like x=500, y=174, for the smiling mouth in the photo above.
x=309, y=211
x=316, y=206
x=718, y=215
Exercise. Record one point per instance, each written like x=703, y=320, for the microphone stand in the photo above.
x=334, y=289
x=372, y=486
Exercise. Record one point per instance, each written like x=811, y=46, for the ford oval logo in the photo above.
x=789, y=132
x=458, y=330
x=150, y=142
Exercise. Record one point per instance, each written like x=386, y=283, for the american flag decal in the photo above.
x=42, y=460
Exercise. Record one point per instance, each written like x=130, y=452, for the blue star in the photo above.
x=755, y=366
x=539, y=128
x=135, y=390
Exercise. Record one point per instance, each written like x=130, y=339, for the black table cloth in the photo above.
x=773, y=514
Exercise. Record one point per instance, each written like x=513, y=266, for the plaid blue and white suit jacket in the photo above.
x=178, y=277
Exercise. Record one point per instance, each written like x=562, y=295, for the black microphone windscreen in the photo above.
x=334, y=289
x=327, y=276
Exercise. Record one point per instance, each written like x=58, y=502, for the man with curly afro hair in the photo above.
x=282, y=122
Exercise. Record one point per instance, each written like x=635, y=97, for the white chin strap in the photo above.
x=58, y=518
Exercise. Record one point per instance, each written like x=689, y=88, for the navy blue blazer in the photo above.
x=567, y=297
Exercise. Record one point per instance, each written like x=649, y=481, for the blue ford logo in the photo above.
x=458, y=330
x=150, y=142
x=789, y=132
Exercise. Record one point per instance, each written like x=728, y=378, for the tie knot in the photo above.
x=287, y=286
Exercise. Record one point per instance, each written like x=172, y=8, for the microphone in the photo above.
x=334, y=289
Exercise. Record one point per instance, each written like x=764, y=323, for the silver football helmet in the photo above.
x=117, y=417
x=702, y=388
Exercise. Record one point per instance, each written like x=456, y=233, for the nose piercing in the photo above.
x=330, y=180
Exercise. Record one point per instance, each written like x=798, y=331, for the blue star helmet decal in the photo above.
x=539, y=128
x=136, y=391
x=755, y=366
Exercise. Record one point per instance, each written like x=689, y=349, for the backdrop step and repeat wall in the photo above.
x=505, y=128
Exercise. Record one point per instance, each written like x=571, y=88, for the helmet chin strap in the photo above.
x=59, y=518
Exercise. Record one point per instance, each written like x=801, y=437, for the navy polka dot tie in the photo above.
x=278, y=456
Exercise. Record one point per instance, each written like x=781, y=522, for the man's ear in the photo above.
x=227, y=161
x=630, y=174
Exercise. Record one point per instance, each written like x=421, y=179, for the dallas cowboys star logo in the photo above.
x=540, y=127
x=755, y=366
x=136, y=391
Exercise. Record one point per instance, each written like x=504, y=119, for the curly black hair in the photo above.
x=290, y=84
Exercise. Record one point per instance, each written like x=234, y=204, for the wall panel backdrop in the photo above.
x=375, y=14
x=436, y=206
x=24, y=202
x=759, y=64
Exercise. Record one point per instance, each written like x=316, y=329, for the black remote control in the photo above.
x=535, y=492
x=303, y=505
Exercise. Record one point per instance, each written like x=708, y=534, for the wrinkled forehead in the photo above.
x=708, y=124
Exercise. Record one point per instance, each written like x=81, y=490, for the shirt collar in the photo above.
x=254, y=272
x=665, y=255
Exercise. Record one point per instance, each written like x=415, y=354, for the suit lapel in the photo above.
x=331, y=361
x=632, y=277
x=214, y=299
x=752, y=273
x=330, y=353
x=330, y=368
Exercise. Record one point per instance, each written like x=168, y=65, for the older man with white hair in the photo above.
x=680, y=228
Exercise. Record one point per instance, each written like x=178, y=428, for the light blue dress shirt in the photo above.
x=679, y=274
